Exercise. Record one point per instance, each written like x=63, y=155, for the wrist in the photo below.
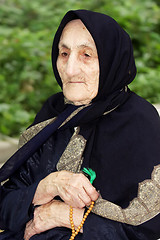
x=38, y=194
x=62, y=214
x=77, y=216
x=46, y=190
x=51, y=186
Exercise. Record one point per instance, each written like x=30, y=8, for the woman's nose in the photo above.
x=72, y=66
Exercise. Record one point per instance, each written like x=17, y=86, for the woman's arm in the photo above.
x=74, y=189
x=56, y=214
x=19, y=193
x=51, y=215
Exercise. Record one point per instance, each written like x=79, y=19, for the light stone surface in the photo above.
x=158, y=107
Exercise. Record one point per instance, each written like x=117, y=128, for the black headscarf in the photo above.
x=116, y=62
x=114, y=47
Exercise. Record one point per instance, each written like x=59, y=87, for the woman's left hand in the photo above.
x=51, y=215
x=44, y=219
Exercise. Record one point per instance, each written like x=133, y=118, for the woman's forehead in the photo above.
x=75, y=33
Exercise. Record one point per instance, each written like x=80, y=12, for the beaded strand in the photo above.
x=75, y=232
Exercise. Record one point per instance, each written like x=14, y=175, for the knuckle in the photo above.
x=36, y=212
x=92, y=190
x=81, y=205
x=36, y=226
x=95, y=197
x=68, y=198
x=80, y=176
x=88, y=202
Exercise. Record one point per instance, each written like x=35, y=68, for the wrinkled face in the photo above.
x=78, y=64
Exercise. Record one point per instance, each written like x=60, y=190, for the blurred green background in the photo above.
x=27, y=29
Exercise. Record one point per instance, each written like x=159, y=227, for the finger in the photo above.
x=74, y=201
x=28, y=234
x=80, y=199
x=88, y=187
x=84, y=197
x=76, y=197
x=29, y=224
x=29, y=231
x=91, y=192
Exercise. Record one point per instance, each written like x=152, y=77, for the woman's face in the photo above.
x=78, y=64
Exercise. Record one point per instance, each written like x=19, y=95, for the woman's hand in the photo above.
x=51, y=215
x=45, y=218
x=74, y=189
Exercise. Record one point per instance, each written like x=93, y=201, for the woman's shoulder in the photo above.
x=45, y=116
x=135, y=109
x=29, y=133
x=140, y=105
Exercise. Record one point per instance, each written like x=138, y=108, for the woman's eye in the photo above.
x=87, y=55
x=64, y=54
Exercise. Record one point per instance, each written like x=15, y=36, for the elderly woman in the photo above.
x=97, y=123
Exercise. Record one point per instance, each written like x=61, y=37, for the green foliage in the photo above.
x=26, y=32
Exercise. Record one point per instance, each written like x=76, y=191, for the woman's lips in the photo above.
x=75, y=82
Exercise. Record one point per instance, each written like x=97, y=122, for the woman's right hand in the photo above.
x=51, y=215
x=73, y=188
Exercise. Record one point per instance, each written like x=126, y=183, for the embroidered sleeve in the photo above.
x=71, y=159
x=32, y=131
x=141, y=209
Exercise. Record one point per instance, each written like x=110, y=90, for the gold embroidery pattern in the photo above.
x=32, y=131
x=71, y=159
x=105, y=113
x=141, y=209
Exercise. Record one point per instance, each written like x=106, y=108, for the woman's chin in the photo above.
x=77, y=101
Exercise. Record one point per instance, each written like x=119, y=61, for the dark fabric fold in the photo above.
x=33, y=145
